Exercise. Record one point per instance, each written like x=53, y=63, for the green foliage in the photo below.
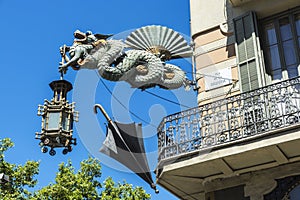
x=69, y=184
x=21, y=176
x=122, y=191
x=84, y=184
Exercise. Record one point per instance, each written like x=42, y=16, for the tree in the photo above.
x=21, y=176
x=68, y=185
x=71, y=185
x=84, y=184
x=124, y=191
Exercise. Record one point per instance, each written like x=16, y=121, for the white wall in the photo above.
x=206, y=14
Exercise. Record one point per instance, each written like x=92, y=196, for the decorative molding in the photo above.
x=227, y=28
x=214, y=46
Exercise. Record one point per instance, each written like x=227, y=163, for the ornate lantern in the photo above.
x=57, y=119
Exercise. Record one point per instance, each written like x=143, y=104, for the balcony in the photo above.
x=248, y=132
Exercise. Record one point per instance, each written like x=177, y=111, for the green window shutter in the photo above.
x=244, y=81
x=247, y=51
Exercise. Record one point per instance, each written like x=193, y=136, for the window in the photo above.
x=281, y=40
x=287, y=189
x=294, y=194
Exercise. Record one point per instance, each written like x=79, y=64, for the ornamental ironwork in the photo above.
x=231, y=119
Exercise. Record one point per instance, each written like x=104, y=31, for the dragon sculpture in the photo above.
x=140, y=60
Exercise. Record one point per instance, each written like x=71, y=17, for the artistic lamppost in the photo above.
x=57, y=119
x=4, y=178
x=142, y=66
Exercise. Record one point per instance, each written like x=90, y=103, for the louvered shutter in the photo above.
x=247, y=51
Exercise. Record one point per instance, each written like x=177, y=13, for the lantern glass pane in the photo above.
x=71, y=123
x=65, y=121
x=53, y=120
x=44, y=122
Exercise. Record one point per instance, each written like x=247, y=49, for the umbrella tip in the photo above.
x=153, y=186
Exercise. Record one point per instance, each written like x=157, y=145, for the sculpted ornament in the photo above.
x=140, y=60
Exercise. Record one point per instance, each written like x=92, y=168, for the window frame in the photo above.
x=275, y=19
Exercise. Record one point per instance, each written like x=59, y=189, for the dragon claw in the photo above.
x=62, y=69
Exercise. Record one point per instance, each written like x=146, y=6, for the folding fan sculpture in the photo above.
x=124, y=143
x=143, y=66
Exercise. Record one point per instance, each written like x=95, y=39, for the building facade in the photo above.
x=243, y=140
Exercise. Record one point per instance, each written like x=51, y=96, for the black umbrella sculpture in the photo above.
x=125, y=144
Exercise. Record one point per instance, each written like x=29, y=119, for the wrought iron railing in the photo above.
x=231, y=119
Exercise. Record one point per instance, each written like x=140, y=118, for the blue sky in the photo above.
x=32, y=32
